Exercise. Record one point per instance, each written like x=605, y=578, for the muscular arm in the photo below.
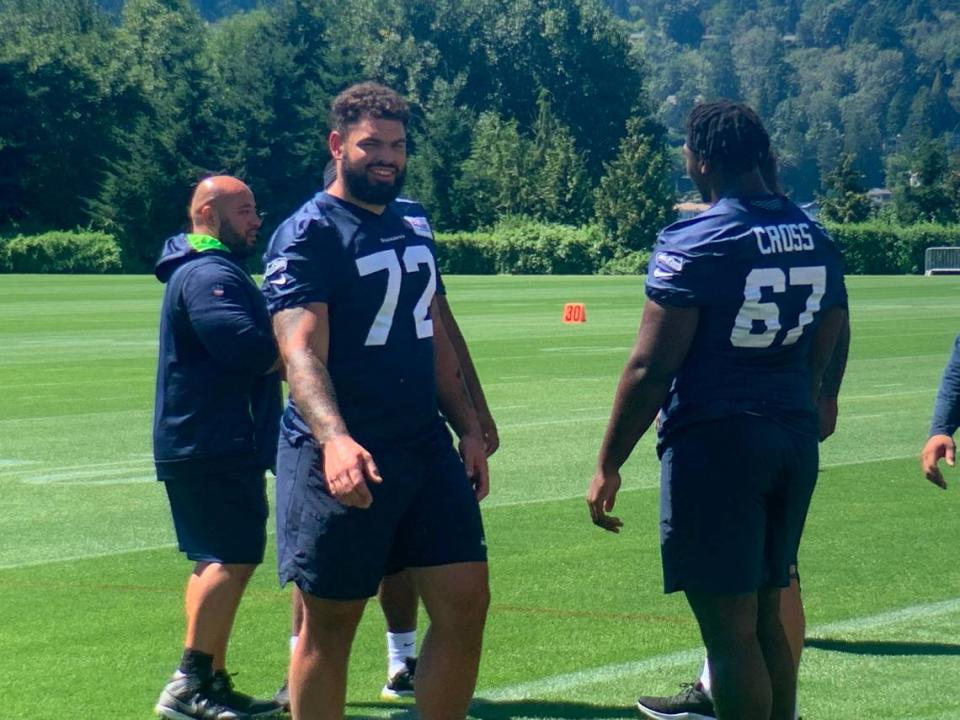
x=303, y=334
x=827, y=359
x=470, y=377
x=456, y=404
x=831, y=380
x=663, y=341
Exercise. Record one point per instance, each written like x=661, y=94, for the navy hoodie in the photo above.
x=217, y=406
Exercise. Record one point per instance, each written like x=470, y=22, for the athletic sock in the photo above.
x=194, y=662
x=400, y=646
x=705, y=678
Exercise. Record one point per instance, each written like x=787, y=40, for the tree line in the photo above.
x=530, y=108
x=876, y=82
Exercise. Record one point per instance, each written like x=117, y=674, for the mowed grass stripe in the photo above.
x=567, y=597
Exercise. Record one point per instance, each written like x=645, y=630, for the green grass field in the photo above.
x=91, y=584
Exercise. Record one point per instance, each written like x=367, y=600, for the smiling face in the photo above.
x=371, y=161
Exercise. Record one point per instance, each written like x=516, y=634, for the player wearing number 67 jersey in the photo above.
x=368, y=480
x=744, y=306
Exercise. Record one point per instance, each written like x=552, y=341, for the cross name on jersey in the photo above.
x=795, y=237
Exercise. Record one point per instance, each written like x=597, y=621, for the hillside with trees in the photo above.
x=556, y=112
x=876, y=81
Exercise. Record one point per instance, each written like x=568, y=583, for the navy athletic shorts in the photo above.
x=424, y=514
x=734, y=495
x=220, y=517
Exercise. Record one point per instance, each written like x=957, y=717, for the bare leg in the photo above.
x=777, y=654
x=318, y=668
x=741, y=681
x=212, y=598
x=296, y=612
x=398, y=598
x=456, y=598
x=792, y=617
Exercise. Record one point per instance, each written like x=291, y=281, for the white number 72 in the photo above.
x=413, y=257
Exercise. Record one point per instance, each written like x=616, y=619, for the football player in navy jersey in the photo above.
x=368, y=480
x=695, y=700
x=397, y=594
x=745, y=303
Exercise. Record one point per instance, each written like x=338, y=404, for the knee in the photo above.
x=462, y=610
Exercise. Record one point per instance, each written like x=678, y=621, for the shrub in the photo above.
x=62, y=252
x=4, y=255
x=632, y=263
x=877, y=248
x=520, y=246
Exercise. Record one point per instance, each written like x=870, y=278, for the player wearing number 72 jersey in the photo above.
x=368, y=480
x=744, y=306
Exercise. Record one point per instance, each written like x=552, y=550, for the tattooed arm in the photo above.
x=303, y=334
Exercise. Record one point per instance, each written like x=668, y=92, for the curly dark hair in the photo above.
x=728, y=135
x=368, y=99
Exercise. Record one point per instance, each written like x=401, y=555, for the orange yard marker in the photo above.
x=574, y=313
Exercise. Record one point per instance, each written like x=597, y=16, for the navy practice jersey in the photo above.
x=761, y=274
x=377, y=274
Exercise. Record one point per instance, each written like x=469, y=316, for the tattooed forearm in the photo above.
x=303, y=336
x=312, y=389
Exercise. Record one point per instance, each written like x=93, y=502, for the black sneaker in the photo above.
x=190, y=697
x=243, y=706
x=282, y=696
x=691, y=703
x=401, y=684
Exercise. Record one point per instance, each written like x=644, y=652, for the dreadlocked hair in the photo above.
x=728, y=135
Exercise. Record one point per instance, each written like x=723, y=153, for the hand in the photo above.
x=827, y=412
x=601, y=497
x=474, y=454
x=347, y=467
x=490, y=437
x=937, y=447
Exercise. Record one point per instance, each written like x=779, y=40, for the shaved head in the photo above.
x=210, y=190
x=223, y=207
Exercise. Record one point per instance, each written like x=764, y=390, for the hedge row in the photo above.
x=516, y=247
x=60, y=252
x=520, y=247
x=881, y=249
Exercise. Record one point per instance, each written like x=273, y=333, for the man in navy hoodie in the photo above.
x=214, y=434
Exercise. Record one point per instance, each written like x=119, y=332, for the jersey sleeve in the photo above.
x=680, y=274
x=301, y=266
x=946, y=412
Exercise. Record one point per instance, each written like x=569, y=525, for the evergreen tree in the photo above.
x=845, y=200
x=559, y=181
x=167, y=140
x=635, y=197
x=440, y=143
x=926, y=193
x=494, y=181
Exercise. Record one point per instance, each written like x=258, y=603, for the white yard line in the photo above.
x=580, y=678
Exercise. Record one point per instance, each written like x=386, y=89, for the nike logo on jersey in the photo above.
x=662, y=274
